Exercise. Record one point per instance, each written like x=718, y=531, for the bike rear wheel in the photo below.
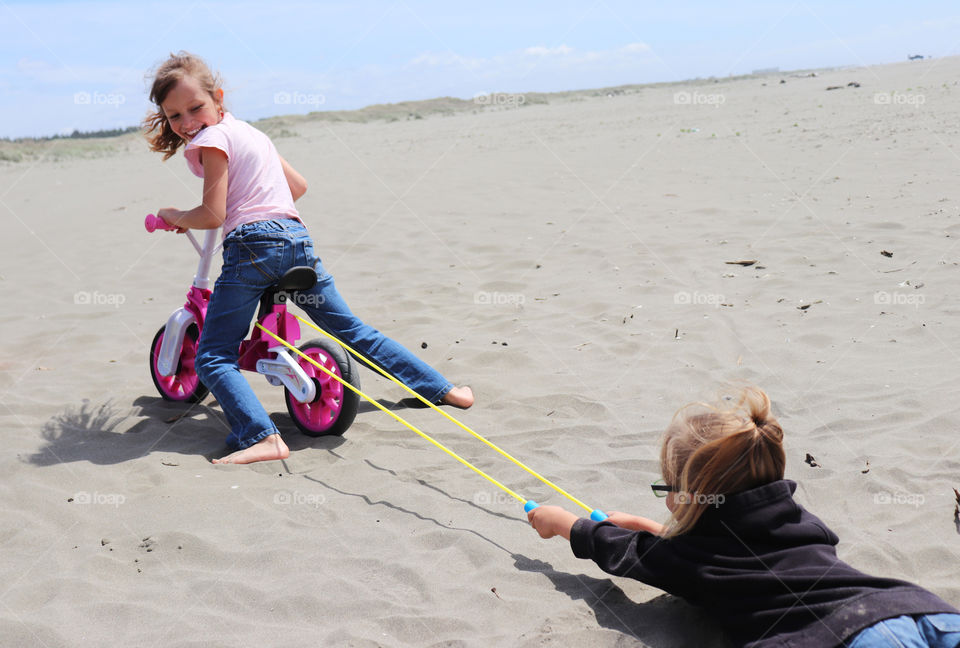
x=333, y=409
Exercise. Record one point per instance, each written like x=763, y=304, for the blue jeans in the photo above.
x=255, y=256
x=922, y=631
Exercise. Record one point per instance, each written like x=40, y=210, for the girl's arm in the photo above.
x=552, y=521
x=635, y=522
x=212, y=212
x=296, y=182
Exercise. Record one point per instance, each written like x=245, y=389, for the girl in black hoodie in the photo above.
x=738, y=545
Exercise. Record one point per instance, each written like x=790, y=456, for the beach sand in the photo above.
x=569, y=260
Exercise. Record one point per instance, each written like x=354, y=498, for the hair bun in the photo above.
x=771, y=429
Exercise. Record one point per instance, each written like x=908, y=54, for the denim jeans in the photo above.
x=922, y=631
x=255, y=256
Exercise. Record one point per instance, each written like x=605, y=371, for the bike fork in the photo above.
x=284, y=370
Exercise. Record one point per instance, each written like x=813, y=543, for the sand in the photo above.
x=569, y=260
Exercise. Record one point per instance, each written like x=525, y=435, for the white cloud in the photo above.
x=540, y=55
x=636, y=48
x=445, y=59
x=539, y=50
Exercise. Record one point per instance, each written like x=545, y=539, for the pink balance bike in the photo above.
x=318, y=404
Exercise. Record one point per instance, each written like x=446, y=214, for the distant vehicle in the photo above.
x=915, y=57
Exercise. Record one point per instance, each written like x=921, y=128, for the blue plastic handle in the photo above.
x=529, y=506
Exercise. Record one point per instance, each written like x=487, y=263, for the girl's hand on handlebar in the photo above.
x=171, y=216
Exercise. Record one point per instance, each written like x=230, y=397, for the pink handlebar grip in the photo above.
x=153, y=223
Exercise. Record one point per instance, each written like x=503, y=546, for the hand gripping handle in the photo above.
x=153, y=223
x=596, y=515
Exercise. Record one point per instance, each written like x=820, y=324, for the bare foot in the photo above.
x=269, y=448
x=461, y=397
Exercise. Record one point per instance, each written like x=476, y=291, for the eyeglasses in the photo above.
x=660, y=489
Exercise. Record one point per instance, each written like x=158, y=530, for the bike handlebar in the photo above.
x=153, y=223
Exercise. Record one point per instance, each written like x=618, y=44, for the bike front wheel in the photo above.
x=184, y=385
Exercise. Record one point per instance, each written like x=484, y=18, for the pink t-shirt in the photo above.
x=256, y=187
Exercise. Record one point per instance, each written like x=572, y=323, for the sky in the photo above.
x=68, y=66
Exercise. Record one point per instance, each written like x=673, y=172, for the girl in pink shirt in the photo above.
x=249, y=190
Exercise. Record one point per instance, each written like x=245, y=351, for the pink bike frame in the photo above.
x=315, y=399
x=254, y=352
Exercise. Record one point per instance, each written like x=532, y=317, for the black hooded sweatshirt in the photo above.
x=763, y=566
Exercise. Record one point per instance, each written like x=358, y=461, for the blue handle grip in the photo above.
x=529, y=506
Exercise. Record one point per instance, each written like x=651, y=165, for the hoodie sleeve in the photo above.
x=617, y=551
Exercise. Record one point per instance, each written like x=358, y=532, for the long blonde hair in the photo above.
x=711, y=451
x=156, y=128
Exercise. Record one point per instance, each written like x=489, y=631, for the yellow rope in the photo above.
x=463, y=426
x=395, y=416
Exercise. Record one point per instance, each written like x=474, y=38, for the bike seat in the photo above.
x=294, y=279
